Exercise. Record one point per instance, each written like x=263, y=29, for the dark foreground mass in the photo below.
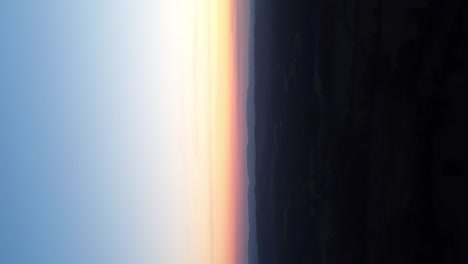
x=361, y=131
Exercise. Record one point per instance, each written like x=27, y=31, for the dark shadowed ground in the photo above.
x=361, y=131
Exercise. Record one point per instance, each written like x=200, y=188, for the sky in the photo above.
x=122, y=131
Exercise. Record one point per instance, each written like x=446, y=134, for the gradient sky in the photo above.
x=122, y=131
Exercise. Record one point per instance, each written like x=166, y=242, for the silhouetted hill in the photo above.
x=284, y=108
x=361, y=149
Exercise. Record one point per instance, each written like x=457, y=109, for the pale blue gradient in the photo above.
x=75, y=140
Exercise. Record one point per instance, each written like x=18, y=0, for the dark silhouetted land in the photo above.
x=361, y=131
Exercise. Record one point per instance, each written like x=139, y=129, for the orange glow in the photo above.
x=212, y=122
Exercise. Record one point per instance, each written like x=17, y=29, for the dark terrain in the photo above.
x=361, y=131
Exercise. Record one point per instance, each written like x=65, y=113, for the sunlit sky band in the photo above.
x=212, y=121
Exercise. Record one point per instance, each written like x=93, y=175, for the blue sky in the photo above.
x=88, y=151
